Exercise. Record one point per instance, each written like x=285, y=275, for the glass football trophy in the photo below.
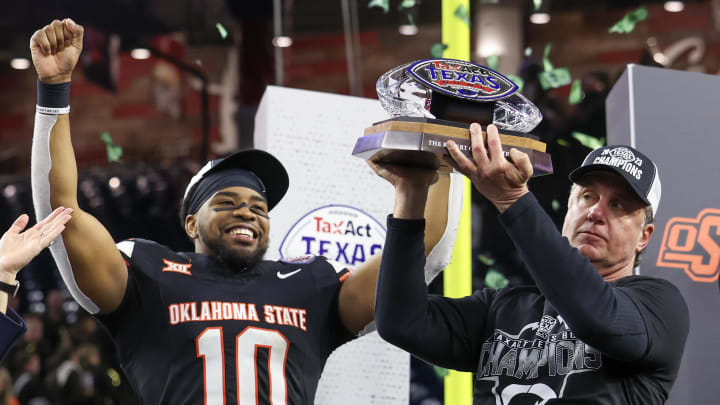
x=435, y=100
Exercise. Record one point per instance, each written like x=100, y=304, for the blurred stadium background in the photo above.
x=173, y=83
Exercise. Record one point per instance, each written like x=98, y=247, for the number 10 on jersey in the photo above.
x=210, y=348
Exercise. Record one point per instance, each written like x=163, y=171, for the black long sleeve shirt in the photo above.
x=573, y=338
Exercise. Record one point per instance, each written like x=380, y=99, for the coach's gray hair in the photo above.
x=649, y=219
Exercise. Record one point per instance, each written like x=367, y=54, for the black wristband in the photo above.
x=10, y=289
x=53, y=95
x=53, y=98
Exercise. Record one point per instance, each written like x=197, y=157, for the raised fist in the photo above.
x=55, y=50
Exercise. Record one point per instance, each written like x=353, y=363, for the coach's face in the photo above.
x=605, y=222
x=233, y=226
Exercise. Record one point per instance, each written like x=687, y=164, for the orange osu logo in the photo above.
x=693, y=244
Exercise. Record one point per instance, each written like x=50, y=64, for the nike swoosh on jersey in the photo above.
x=283, y=276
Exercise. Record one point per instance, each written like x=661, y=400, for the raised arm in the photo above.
x=622, y=322
x=17, y=248
x=357, y=295
x=440, y=330
x=97, y=265
x=619, y=321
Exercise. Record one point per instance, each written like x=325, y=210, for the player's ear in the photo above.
x=191, y=227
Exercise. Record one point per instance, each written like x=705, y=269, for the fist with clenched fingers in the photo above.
x=55, y=50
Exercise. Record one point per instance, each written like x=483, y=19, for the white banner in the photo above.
x=336, y=207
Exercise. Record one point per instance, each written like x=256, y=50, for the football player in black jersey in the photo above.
x=218, y=325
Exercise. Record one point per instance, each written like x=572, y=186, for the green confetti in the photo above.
x=563, y=142
x=115, y=378
x=555, y=205
x=528, y=51
x=486, y=260
x=576, y=93
x=221, y=30
x=383, y=4
x=588, y=140
x=517, y=80
x=114, y=152
x=537, y=4
x=546, y=58
x=495, y=280
x=407, y=4
x=437, y=49
x=461, y=12
x=626, y=25
x=555, y=78
x=622, y=27
x=441, y=372
x=492, y=62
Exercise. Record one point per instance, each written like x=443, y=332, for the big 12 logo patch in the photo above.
x=693, y=245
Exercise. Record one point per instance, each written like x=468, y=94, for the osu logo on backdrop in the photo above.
x=693, y=244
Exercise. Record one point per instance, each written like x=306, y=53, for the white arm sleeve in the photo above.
x=40, y=169
x=441, y=254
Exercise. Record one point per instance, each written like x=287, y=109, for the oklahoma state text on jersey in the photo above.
x=191, y=331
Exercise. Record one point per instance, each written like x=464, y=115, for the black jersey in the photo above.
x=189, y=331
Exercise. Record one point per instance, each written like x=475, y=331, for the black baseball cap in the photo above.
x=638, y=170
x=265, y=166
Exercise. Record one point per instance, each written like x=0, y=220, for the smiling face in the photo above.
x=605, y=222
x=232, y=226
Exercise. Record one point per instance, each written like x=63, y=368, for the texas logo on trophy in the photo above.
x=435, y=100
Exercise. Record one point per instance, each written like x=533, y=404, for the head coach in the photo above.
x=589, y=331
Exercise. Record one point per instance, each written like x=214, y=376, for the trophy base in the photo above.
x=420, y=142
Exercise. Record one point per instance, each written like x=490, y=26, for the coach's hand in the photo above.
x=411, y=187
x=55, y=50
x=500, y=180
